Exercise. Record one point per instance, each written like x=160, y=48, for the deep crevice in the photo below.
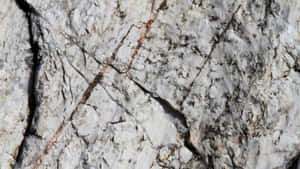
x=178, y=116
x=293, y=163
x=168, y=108
x=30, y=13
x=189, y=145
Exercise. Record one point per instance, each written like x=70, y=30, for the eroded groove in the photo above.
x=34, y=32
x=87, y=93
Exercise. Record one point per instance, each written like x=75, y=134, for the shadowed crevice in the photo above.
x=293, y=163
x=178, y=119
x=30, y=14
x=168, y=108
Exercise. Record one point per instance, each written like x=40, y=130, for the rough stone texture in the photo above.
x=150, y=84
x=15, y=61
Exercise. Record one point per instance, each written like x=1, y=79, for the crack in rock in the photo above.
x=144, y=33
x=218, y=38
x=34, y=33
x=178, y=118
x=85, y=96
x=293, y=163
x=268, y=12
x=233, y=112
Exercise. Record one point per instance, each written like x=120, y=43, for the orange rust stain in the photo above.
x=97, y=78
x=144, y=34
x=83, y=100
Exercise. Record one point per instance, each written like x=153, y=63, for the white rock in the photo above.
x=151, y=84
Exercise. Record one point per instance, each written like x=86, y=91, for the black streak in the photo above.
x=35, y=49
x=166, y=106
x=293, y=163
x=268, y=11
x=176, y=114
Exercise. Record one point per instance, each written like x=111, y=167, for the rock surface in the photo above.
x=15, y=74
x=150, y=84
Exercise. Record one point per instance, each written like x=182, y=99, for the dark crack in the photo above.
x=268, y=12
x=86, y=142
x=178, y=117
x=126, y=111
x=231, y=156
x=293, y=163
x=33, y=26
x=77, y=71
x=190, y=146
x=216, y=40
x=296, y=66
x=85, y=96
x=27, y=8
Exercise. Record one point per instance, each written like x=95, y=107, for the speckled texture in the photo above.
x=15, y=57
x=162, y=84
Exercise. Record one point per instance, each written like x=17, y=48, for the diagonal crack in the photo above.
x=144, y=33
x=231, y=155
x=85, y=141
x=178, y=118
x=294, y=162
x=87, y=93
x=268, y=12
x=219, y=37
x=32, y=14
x=127, y=112
x=167, y=106
x=34, y=34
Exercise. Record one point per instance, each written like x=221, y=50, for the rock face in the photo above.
x=15, y=74
x=150, y=84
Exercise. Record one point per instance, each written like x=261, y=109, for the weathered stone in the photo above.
x=151, y=84
x=15, y=61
